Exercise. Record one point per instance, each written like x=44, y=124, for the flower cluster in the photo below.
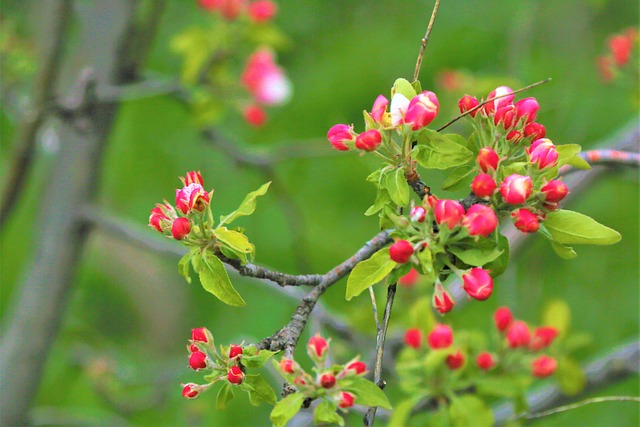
x=618, y=59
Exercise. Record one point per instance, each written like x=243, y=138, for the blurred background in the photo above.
x=119, y=354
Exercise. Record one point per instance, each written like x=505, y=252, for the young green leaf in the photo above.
x=247, y=207
x=437, y=151
x=403, y=87
x=258, y=359
x=402, y=412
x=500, y=264
x=477, y=256
x=470, y=411
x=183, y=266
x=286, y=409
x=369, y=272
x=259, y=390
x=571, y=376
x=557, y=314
x=367, y=393
x=458, y=178
x=568, y=227
x=398, y=188
x=214, y=279
x=224, y=396
x=325, y=412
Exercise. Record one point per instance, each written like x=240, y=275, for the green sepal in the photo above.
x=214, y=278
x=248, y=205
x=225, y=395
x=367, y=393
x=258, y=359
x=286, y=409
x=437, y=151
x=326, y=412
x=568, y=227
x=259, y=390
x=369, y=272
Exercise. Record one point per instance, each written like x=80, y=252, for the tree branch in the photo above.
x=425, y=39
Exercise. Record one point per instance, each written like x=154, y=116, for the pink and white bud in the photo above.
x=455, y=361
x=369, y=140
x=254, y=115
x=440, y=337
x=398, y=108
x=503, y=318
x=191, y=390
x=543, y=366
x=483, y=185
x=235, y=351
x=192, y=197
x=534, y=131
x=525, y=220
x=379, y=108
x=505, y=116
x=487, y=159
x=449, y=212
x=181, y=228
x=467, y=103
x=327, y=380
x=265, y=80
x=409, y=279
x=338, y=135
x=422, y=109
x=201, y=335
x=262, y=10
x=543, y=153
x=413, y=337
x=518, y=334
x=543, y=337
x=235, y=375
x=417, y=214
x=478, y=284
x=554, y=191
x=515, y=189
x=480, y=220
x=346, y=399
x=401, y=251
x=198, y=360
x=485, y=361
x=527, y=108
x=442, y=301
x=317, y=348
x=506, y=99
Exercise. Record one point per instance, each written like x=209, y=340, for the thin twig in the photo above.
x=374, y=308
x=424, y=41
x=576, y=405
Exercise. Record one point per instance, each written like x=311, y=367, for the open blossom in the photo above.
x=422, y=109
x=506, y=94
x=480, y=220
x=379, y=108
x=265, y=80
x=515, y=189
x=398, y=108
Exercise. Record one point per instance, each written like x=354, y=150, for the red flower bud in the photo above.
x=338, y=134
x=543, y=336
x=401, y=251
x=518, y=334
x=485, y=361
x=480, y=220
x=621, y=47
x=346, y=399
x=527, y=108
x=417, y=214
x=231, y=9
x=554, y=191
x=379, y=108
x=543, y=366
x=235, y=351
x=440, y=337
x=487, y=159
x=502, y=318
x=423, y=108
x=455, y=361
x=262, y=10
x=413, y=338
x=514, y=136
x=543, y=153
x=327, y=380
x=198, y=360
x=478, y=283
x=442, y=301
x=157, y=218
x=235, y=375
x=515, y=189
x=191, y=390
x=449, y=212
x=525, y=221
x=287, y=366
x=210, y=4
x=201, y=335
x=409, y=279
x=505, y=116
x=534, y=131
x=317, y=347
x=483, y=185
x=254, y=115
x=467, y=103
x=357, y=367
x=369, y=140
x=180, y=228
x=193, y=347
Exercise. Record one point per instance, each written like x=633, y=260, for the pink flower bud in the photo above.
x=483, y=185
x=449, y=212
x=515, y=189
x=409, y=279
x=440, y=337
x=514, y=136
x=338, y=135
x=621, y=47
x=485, y=361
x=235, y=351
x=543, y=336
x=317, y=347
x=201, y=335
x=534, y=131
x=327, y=380
x=198, y=360
x=543, y=366
x=422, y=109
x=478, y=283
x=527, y=108
x=442, y=301
x=262, y=10
x=379, y=108
x=494, y=105
x=191, y=390
x=235, y=375
x=525, y=220
x=346, y=399
x=487, y=159
x=264, y=80
x=502, y=318
x=254, y=115
x=287, y=366
x=455, y=361
x=543, y=153
x=518, y=334
x=356, y=367
x=192, y=177
x=417, y=214
x=369, y=140
x=413, y=338
x=505, y=116
x=180, y=228
x=157, y=219
x=554, y=191
x=467, y=103
x=480, y=220
x=401, y=251
x=210, y=5
x=192, y=197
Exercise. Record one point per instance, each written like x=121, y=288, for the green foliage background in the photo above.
x=131, y=310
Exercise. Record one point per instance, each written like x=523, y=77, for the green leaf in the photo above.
x=564, y=252
x=579, y=163
x=467, y=411
x=402, y=412
x=286, y=409
x=557, y=314
x=500, y=264
x=568, y=227
x=367, y=393
x=402, y=86
x=398, y=188
x=234, y=239
x=248, y=205
x=506, y=386
x=437, y=151
x=417, y=86
x=183, y=265
x=457, y=178
x=482, y=252
x=425, y=267
x=257, y=360
x=571, y=376
x=325, y=412
x=214, y=279
x=224, y=396
x=435, y=359
x=259, y=390
x=369, y=272
x=567, y=152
